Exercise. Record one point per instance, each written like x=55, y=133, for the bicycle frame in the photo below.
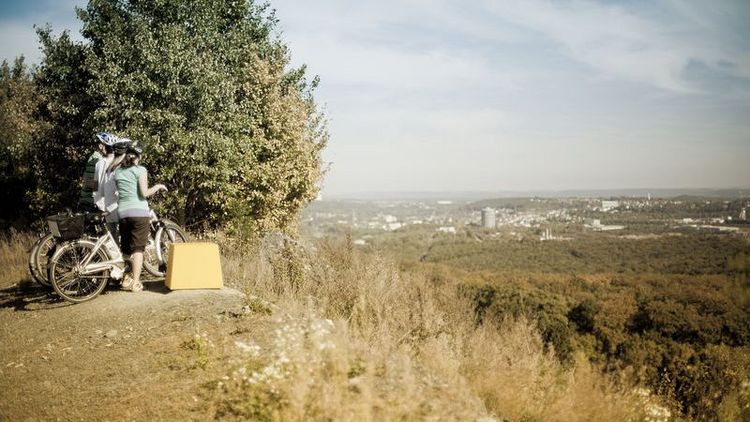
x=114, y=263
x=80, y=269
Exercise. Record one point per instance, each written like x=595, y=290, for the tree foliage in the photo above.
x=684, y=336
x=207, y=88
x=59, y=152
x=18, y=128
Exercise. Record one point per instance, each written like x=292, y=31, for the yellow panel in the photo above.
x=194, y=266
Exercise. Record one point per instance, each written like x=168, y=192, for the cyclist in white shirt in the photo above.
x=105, y=195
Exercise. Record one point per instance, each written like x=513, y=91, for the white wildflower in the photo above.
x=252, y=348
x=326, y=345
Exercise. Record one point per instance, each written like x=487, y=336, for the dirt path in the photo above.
x=122, y=356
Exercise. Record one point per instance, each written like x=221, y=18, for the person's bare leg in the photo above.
x=136, y=262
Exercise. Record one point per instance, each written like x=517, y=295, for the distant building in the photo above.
x=546, y=234
x=743, y=214
x=597, y=225
x=610, y=205
x=390, y=218
x=610, y=227
x=392, y=226
x=446, y=229
x=488, y=218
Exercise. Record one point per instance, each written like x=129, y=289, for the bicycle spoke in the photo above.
x=66, y=280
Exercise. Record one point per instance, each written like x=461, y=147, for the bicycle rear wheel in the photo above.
x=151, y=258
x=157, y=254
x=66, y=276
x=39, y=257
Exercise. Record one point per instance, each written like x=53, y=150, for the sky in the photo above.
x=448, y=95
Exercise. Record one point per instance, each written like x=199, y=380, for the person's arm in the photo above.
x=92, y=182
x=143, y=186
x=99, y=172
x=89, y=183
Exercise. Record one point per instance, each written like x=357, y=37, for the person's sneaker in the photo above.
x=137, y=287
x=127, y=282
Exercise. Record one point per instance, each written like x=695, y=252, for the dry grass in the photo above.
x=122, y=356
x=14, y=255
x=353, y=338
x=356, y=339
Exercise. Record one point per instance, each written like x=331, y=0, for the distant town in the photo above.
x=542, y=218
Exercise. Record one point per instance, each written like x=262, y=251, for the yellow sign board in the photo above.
x=194, y=265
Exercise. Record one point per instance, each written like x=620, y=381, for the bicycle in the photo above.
x=39, y=256
x=162, y=232
x=87, y=256
x=81, y=268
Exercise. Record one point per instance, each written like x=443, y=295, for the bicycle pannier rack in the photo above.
x=66, y=227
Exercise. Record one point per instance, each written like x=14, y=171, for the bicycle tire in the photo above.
x=39, y=258
x=32, y=260
x=64, y=277
x=150, y=258
x=169, y=232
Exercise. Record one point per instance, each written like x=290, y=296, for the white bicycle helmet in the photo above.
x=108, y=139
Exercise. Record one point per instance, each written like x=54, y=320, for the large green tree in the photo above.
x=207, y=88
x=59, y=152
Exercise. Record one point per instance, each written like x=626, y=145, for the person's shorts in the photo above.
x=134, y=234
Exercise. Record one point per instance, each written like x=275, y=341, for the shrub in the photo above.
x=583, y=316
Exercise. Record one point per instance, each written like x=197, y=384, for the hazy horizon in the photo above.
x=729, y=192
x=510, y=96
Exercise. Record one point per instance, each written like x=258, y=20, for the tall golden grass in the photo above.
x=14, y=256
x=357, y=339
x=354, y=338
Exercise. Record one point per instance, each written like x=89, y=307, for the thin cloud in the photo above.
x=524, y=94
x=622, y=44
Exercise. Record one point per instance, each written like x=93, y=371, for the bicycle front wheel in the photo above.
x=65, y=272
x=157, y=254
x=39, y=257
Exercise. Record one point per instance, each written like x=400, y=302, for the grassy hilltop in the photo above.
x=326, y=332
x=348, y=323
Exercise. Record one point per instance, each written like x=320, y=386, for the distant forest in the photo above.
x=670, y=311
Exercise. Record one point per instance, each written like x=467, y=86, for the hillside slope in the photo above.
x=122, y=355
